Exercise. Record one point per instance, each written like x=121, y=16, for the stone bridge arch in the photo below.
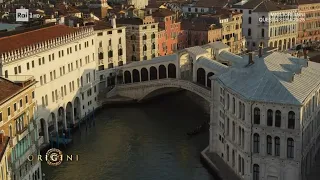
x=143, y=90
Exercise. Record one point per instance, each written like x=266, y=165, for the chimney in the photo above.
x=113, y=22
x=1, y=138
x=260, y=51
x=251, y=58
x=305, y=52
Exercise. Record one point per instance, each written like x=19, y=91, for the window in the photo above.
x=249, y=20
x=262, y=32
x=53, y=98
x=26, y=98
x=249, y=32
x=256, y=116
x=291, y=120
x=227, y=152
x=28, y=66
x=33, y=94
x=278, y=119
x=233, y=105
x=32, y=64
x=6, y=74
x=256, y=172
x=20, y=102
x=15, y=70
x=9, y=111
x=15, y=106
x=269, y=117
x=277, y=146
x=0, y=116
x=228, y=101
x=256, y=143
x=269, y=145
x=39, y=61
x=249, y=11
x=290, y=148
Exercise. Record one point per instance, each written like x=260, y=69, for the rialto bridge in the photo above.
x=189, y=69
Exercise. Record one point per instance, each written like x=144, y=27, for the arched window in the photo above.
x=233, y=106
x=256, y=143
x=269, y=145
x=144, y=47
x=290, y=148
x=243, y=112
x=249, y=32
x=144, y=37
x=269, y=117
x=291, y=120
x=277, y=146
x=240, y=110
x=278, y=119
x=256, y=172
x=262, y=32
x=228, y=101
x=249, y=20
x=256, y=115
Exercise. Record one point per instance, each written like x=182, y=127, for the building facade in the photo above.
x=309, y=28
x=169, y=30
x=141, y=38
x=110, y=44
x=18, y=122
x=260, y=32
x=5, y=172
x=62, y=60
x=259, y=132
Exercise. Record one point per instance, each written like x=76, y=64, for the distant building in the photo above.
x=309, y=30
x=231, y=31
x=141, y=38
x=169, y=30
x=18, y=110
x=99, y=8
x=266, y=115
x=200, y=7
x=196, y=32
x=138, y=4
x=259, y=32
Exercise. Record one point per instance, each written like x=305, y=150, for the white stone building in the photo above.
x=259, y=32
x=265, y=122
x=63, y=61
x=111, y=44
x=138, y=4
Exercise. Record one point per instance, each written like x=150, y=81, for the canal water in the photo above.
x=139, y=142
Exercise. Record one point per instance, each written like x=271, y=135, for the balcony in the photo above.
x=110, y=60
x=153, y=40
x=22, y=133
x=19, y=161
x=100, y=50
x=119, y=46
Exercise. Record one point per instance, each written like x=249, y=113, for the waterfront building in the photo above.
x=231, y=31
x=141, y=38
x=110, y=44
x=259, y=32
x=4, y=157
x=62, y=60
x=265, y=115
x=169, y=30
x=18, y=123
x=309, y=28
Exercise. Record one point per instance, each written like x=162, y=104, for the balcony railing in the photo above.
x=19, y=161
x=22, y=133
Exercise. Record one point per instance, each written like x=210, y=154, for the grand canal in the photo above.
x=138, y=142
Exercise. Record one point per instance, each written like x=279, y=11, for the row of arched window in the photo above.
x=277, y=145
x=241, y=107
x=277, y=122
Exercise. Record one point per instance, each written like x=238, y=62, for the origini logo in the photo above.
x=54, y=157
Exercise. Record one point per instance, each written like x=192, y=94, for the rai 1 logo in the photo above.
x=23, y=15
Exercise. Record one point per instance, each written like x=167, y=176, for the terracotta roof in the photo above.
x=8, y=89
x=197, y=25
x=162, y=13
x=211, y=3
x=130, y=21
x=18, y=41
x=3, y=146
